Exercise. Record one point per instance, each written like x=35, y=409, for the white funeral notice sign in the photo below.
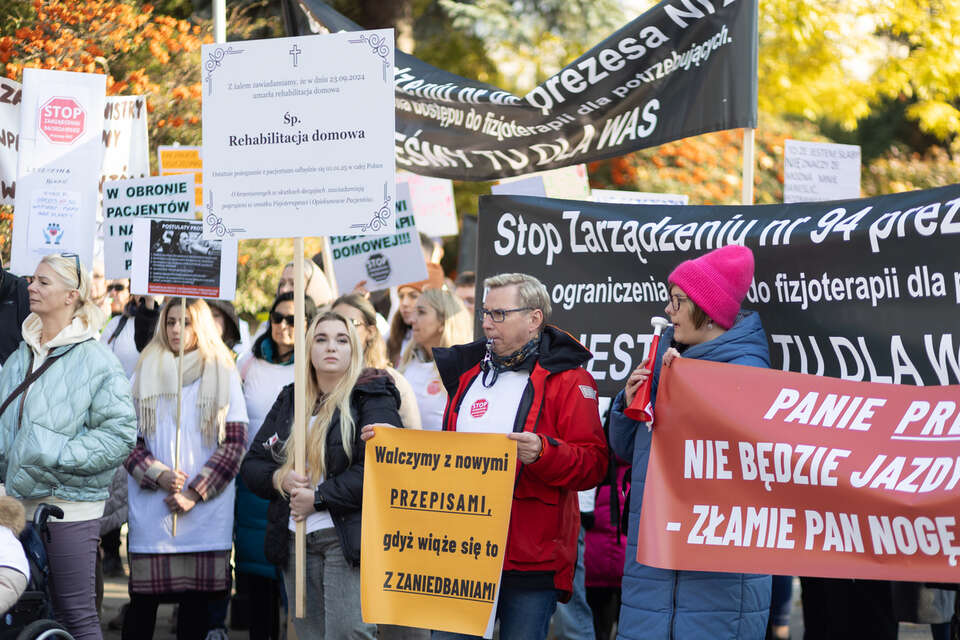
x=298, y=136
x=819, y=171
x=127, y=200
x=58, y=169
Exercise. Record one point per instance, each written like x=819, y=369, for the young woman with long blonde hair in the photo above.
x=193, y=567
x=357, y=309
x=344, y=397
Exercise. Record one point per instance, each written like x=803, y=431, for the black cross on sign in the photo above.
x=295, y=52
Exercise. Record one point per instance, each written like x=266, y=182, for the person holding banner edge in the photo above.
x=704, y=307
x=66, y=424
x=192, y=567
x=343, y=396
x=527, y=380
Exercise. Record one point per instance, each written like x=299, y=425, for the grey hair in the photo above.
x=531, y=291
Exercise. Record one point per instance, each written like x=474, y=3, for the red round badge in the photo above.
x=434, y=387
x=478, y=408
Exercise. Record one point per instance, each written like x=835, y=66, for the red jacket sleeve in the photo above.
x=575, y=453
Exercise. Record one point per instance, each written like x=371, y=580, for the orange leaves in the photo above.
x=141, y=52
x=69, y=34
x=706, y=168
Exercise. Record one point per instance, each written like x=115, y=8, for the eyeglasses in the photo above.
x=675, y=302
x=116, y=287
x=279, y=318
x=499, y=315
x=76, y=259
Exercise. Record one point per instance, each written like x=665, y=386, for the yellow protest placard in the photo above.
x=436, y=507
x=173, y=160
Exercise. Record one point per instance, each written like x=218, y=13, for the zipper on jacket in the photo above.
x=673, y=608
x=536, y=425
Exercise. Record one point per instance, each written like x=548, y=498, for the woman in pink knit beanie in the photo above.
x=708, y=324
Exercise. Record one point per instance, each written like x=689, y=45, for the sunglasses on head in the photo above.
x=76, y=260
x=279, y=318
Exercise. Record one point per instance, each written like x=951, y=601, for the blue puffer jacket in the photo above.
x=661, y=604
x=249, y=530
x=78, y=424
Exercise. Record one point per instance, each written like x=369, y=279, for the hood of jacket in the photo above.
x=743, y=343
x=231, y=322
x=76, y=331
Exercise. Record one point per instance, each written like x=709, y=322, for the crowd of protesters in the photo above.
x=89, y=423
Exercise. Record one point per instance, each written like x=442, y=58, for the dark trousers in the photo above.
x=110, y=542
x=192, y=618
x=265, y=608
x=836, y=609
x=605, y=603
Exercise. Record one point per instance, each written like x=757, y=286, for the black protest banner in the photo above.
x=683, y=68
x=858, y=289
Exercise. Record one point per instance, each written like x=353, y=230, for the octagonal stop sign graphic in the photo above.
x=62, y=120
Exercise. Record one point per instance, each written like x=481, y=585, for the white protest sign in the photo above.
x=58, y=168
x=612, y=196
x=526, y=186
x=126, y=200
x=569, y=183
x=298, y=136
x=126, y=151
x=431, y=200
x=126, y=147
x=383, y=261
x=819, y=171
x=171, y=258
x=10, y=92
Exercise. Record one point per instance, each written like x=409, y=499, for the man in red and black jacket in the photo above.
x=527, y=380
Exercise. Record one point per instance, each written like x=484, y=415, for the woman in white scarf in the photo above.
x=192, y=567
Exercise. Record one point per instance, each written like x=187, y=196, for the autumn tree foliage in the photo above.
x=139, y=50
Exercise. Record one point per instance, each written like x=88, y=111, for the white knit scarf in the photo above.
x=157, y=379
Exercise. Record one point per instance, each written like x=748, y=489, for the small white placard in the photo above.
x=611, y=196
x=126, y=200
x=382, y=261
x=298, y=136
x=10, y=93
x=569, y=183
x=170, y=258
x=819, y=171
x=432, y=203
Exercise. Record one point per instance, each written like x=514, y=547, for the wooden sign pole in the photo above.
x=746, y=196
x=176, y=445
x=299, y=419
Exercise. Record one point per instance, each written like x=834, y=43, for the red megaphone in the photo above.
x=640, y=409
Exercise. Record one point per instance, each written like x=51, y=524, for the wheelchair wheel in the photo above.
x=44, y=630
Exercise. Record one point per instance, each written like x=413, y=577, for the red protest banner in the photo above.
x=761, y=471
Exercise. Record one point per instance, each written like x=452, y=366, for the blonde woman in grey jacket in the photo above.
x=66, y=425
